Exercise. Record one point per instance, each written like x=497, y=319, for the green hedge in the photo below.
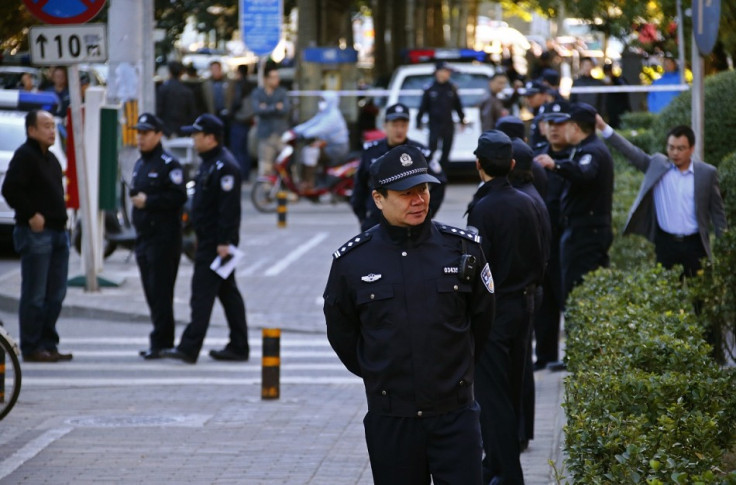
x=720, y=117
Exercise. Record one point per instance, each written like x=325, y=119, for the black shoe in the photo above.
x=60, y=356
x=177, y=354
x=227, y=354
x=539, y=365
x=558, y=366
x=151, y=354
x=40, y=356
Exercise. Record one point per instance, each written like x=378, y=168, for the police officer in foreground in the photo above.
x=587, y=198
x=396, y=126
x=216, y=220
x=409, y=304
x=439, y=100
x=158, y=194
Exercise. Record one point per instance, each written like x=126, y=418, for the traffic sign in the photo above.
x=260, y=24
x=61, y=45
x=706, y=18
x=64, y=11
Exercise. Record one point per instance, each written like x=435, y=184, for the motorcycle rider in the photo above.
x=330, y=133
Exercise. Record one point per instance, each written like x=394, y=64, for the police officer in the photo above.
x=158, y=194
x=216, y=220
x=514, y=128
x=587, y=198
x=396, y=126
x=535, y=94
x=512, y=240
x=439, y=100
x=408, y=306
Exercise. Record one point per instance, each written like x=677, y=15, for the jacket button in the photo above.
x=462, y=383
x=403, y=253
x=455, y=287
x=383, y=393
x=372, y=296
x=419, y=413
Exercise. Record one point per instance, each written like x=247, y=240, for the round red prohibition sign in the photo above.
x=64, y=11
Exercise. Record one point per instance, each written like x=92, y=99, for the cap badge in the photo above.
x=556, y=108
x=406, y=160
x=144, y=119
x=399, y=109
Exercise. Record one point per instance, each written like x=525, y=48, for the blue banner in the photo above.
x=330, y=55
x=260, y=24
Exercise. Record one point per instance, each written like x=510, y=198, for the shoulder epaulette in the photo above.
x=456, y=231
x=167, y=158
x=352, y=244
x=370, y=144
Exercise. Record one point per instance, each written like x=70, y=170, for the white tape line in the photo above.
x=296, y=254
x=30, y=450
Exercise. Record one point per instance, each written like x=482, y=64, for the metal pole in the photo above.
x=148, y=102
x=90, y=259
x=681, y=41
x=698, y=96
x=281, y=208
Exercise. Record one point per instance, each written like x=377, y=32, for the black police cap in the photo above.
x=397, y=111
x=206, y=123
x=556, y=112
x=442, y=65
x=534, y=87
x=512, y=126
x=149, y=122
x=400, y=168
x=551, y=77
x=582, y=112
x=522, y=154
x=494, y=145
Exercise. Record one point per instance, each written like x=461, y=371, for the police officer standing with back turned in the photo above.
x=396, y=126
x=216, y=220
x=408, y=306
x=158, y=194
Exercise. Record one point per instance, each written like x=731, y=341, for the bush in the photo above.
x=720, y=118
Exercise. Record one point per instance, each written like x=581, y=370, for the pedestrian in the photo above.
x=175, y=102
x=587, y=198
x=158, y=193
x=218, y=92
x=658, y=100
x=547, y=319
x=27, y=83
x=408, y=306
x=396, y=124
x=328, y=135
x=216, y=221
x=511, y=239
x=243, y=115
x=271, y=106
x=439, y=100
x=60, y=88
x=585, y=79
x=616, y=103
x=535, y=95
x=492, y=108
x=677, y=201
x=33, y=186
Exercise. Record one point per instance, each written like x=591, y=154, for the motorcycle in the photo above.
x=334, y=185
x=119, y=230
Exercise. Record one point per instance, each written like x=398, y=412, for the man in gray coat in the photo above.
x=678, y=198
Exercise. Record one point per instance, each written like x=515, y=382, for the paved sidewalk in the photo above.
x=212, y=427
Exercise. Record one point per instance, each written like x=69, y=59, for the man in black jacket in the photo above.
x=33, y=187
x=175, y=102
x=216, y=220
x=439, y=100
x=408, y=306
x=158, y=194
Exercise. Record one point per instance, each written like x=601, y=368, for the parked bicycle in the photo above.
x=10, y=375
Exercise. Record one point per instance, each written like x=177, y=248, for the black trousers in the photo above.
x=547, y=313
x=447, y=136
x=407, y=451
x=206, y=286
x=582, y=250
x=158, y=257
x=687, y=251
x=499, y=377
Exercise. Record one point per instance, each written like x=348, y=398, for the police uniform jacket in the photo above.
x=554, y=187
x=216, y=202
x=588, y=197
x=362, y=200
x=439, y=100
x=511, y=237
x=33, y=184
x=400, y=316
x=158, y=175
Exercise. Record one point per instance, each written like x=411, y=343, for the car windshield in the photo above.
x=463, y=80
x=12, y=135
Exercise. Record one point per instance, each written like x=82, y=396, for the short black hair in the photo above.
x=216, y=62
x=495, y=167
x=585, y=127
x=683, y=130
x=175, y=69
x=31, y=119
x=499, y=74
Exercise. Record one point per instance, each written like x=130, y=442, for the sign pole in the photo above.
x=698, y=103
x=90, y=254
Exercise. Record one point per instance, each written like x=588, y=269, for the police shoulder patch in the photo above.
x=176, y=176
x=456, y=231
x=370, y=144
x=586, y=159
x=352, y=244
x=227, y=182
x=487, y=278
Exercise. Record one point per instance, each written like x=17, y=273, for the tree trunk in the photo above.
x=380, y=54
x=435, y=35
x=399, y=33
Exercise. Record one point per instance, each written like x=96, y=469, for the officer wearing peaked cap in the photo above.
x=398, y=296
x=397, y=127
x=158, y=194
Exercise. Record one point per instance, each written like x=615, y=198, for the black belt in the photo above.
x=584, y=221
x=392, y=405
x=680, y=238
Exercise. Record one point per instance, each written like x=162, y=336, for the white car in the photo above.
x=13, y=135
x=407, y=84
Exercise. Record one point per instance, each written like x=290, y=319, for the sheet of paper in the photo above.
x=223, y=269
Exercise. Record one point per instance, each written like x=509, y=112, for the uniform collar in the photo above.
x=411, y=234
x=211, y=155
x=157, y=151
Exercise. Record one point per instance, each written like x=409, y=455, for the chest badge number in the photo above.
x=370, y=278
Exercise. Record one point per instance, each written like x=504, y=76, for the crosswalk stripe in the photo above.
x=171, y=365
x=254, y=354
x=177, y=381
x=289, y=341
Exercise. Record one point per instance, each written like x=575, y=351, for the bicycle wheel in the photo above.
x=10, y=376
x=263, y=196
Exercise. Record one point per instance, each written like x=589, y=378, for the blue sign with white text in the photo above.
x=330, y=55
x=260, y=24
x=706, y=18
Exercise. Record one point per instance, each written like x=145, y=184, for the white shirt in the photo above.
x=674, y=201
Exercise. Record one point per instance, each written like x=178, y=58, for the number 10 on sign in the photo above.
x=68, y=44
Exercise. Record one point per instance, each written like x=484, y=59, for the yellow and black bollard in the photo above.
x=2, y=375
x=271, y=363
x=281, y=209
